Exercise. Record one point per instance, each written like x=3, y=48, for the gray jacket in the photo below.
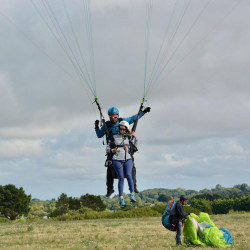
x=122, y=142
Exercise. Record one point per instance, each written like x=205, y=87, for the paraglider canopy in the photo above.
x=201, y=231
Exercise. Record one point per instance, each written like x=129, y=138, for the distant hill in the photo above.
x=162, y=195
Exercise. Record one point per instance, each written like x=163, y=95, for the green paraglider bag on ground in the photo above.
x=201, y=231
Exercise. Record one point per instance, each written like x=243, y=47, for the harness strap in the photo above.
x=171, y=204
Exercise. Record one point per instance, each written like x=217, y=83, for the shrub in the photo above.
x=202, y=205
x=242, y=204
x=222, y=206
x=4, y=220
x=57, y=212
x=90, y=214
x=160, y=208
x=92, y=201
x=190, y=209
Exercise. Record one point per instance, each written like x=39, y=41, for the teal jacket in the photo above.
x=114, y=128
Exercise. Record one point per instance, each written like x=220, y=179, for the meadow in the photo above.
x=127, y=233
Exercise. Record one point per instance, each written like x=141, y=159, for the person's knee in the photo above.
x=129, y=176
x=121, y=179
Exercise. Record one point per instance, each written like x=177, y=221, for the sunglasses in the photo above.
x=113, y=117
x=123, y=129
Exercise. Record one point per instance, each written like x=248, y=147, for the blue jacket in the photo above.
x=114, y=129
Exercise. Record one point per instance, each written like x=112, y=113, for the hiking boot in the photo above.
x=122, y=202
x=109, y=192
x=132, y=198
x=136, y=190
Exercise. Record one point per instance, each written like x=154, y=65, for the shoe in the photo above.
x=136, y=190
x=122, y=202
x=132, y=198
x=109, y=192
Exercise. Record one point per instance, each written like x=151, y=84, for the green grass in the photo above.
x=130, y=233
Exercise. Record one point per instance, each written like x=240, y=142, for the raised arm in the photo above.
x=132, y=119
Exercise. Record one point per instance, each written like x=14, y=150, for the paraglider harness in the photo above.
x=110, y=139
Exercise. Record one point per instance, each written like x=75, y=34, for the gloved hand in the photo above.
x=146, y=110
x=96, y=124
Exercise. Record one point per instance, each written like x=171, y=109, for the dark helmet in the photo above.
x=183, y=198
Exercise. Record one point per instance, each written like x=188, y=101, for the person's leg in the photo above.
x=134, y=177
x=109, y=181
x=134, y=173
x=178, y=232
x=118, y=166
x=128, y=165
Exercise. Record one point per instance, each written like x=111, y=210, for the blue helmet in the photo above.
x=113, y=111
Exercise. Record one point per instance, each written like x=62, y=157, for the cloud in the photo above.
x=46, y=127
x=9, y=105
x=17, y=148
x=234, y=148
x=175, y=161
x=179, y=120
x=197, y=132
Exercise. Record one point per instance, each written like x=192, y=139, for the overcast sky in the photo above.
x=197, y=133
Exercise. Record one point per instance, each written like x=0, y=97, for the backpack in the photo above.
x=170, y=210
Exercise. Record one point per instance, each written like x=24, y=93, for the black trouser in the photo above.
x=111, y=175
x=109, y=178
x=134, y=173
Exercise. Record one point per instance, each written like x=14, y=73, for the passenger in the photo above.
x=113, y=128
x=122, y=160
x=177, y=218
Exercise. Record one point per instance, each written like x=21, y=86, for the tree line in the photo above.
x=14, y=203
x=222, y=206
x=64, y=204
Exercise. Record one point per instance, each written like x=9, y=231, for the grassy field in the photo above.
x=142, y=233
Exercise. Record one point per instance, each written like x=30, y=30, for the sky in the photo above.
x=197, y=134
